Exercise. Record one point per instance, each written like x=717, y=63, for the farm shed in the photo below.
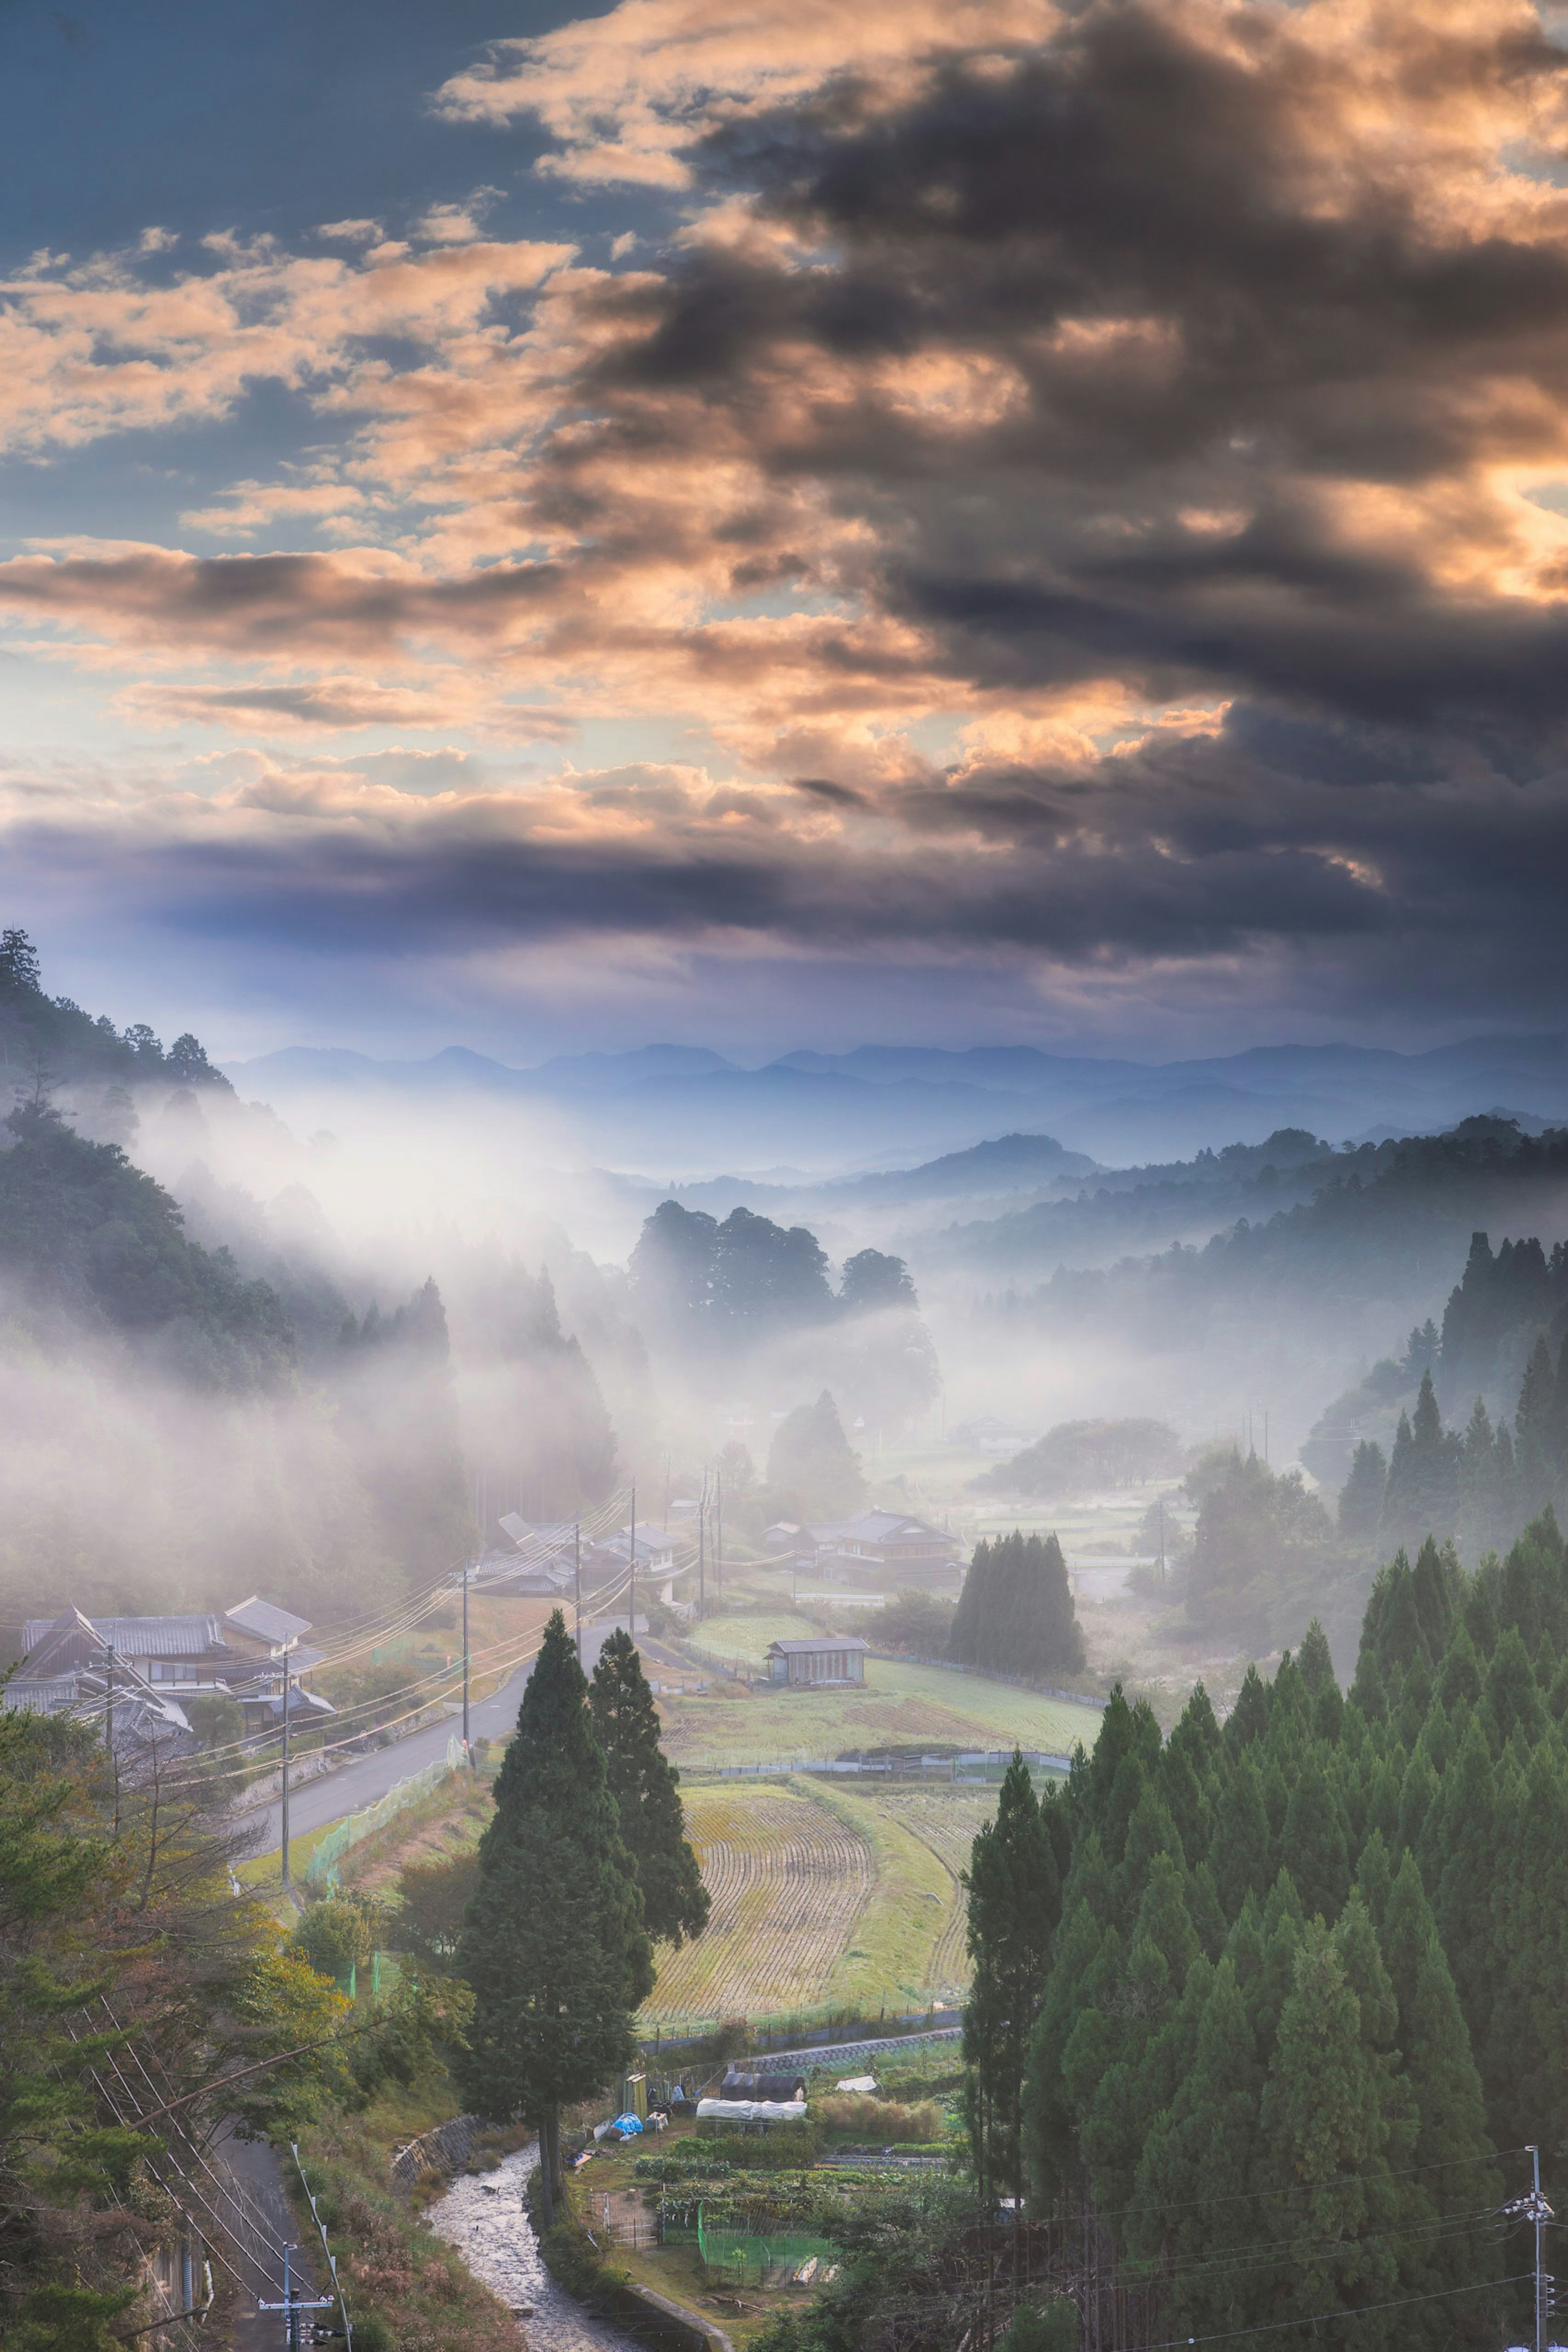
x=829, y=1658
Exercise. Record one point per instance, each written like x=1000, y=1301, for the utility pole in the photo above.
x=632, y=1567
x=1162, y=1543
x=466, y=1750
x=718, y=1531
x=577, y=1580
x=702, y=1549
x=292, y=2306
x=109, y=1726
x=287, y=1711
x=1534, y=2208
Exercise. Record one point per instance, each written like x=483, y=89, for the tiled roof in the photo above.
x=822, y=1642
x=266, y=1621
x=136, y=1637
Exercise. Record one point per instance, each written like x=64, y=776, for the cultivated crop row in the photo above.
x=945, y=1824
x=787, y=1880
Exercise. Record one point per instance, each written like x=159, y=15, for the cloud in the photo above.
x=1070, y=480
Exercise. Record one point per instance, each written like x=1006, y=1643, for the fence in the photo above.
x=972, y=1766
x=747, y=2258
x=322, y=1867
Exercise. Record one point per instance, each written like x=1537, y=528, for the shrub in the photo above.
x=337, y=1934
x=884, y=2121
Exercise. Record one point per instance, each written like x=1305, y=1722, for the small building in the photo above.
x=827, y=1658
x=888, y=1547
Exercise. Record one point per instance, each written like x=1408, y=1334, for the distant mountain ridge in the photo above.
x=692, y=1106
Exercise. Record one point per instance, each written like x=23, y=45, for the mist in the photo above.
x=439, y=1303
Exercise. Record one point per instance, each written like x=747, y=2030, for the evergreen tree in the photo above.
x=1361, y=1497
x=812, y=1465
x=1324, y=2133
x=1315, y=1845
x=1511, y=1701
x=1014, y=1906
x=1015, y=1614
x=1537, y=1452
x=675, y=1903
x=1191, y=2201
x=1240, y=1856
x=553, y=1943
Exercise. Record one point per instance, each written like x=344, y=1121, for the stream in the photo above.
x=483, y=2215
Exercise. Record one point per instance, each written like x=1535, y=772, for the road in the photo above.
x=316, y=1803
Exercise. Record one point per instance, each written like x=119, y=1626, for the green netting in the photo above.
x=323, y=1863
x=749, y=2258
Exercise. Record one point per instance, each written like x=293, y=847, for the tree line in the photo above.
x=1264, y=2002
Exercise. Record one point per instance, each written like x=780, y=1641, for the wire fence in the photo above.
x=321, y=1870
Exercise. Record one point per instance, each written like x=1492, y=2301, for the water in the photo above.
x=483, y=2215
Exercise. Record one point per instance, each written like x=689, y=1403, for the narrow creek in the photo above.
x=484, y=2216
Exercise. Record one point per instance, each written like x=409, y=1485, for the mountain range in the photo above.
x=834, y=1115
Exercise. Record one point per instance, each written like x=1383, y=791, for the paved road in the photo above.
x=317, y=1803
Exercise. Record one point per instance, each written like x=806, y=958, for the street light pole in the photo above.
x=577, y=1580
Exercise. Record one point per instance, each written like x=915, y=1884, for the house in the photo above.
x=163, y=1662
x=888, y=1547
x=826, y=1658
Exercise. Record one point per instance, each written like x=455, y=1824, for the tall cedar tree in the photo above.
x=1014, y=1906
x=553, y=1941
x=675, y=1903
x=1015, y=1614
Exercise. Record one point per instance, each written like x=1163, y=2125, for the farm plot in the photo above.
x=788, y=1879
x=946, y=1824
x=897, y=1704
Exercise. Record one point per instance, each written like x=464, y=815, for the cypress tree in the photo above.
x=1511, y=1701
x=1240, y=1852
x=1526, y=2057
x=1191, y=2201
x=1463, y=1838
x=1453, y=2175
x=645, y=1784
x=1249, y=1718
x=1361, y=1496
x=553, y=1942
x=1015, y=1614
x=1314, y=1847
x=1540, y=1441
x=1013, y=1910
x=1324, y=2131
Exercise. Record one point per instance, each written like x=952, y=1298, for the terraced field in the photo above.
x=947, y=1823
x=825, y=1894
x=788, y=1879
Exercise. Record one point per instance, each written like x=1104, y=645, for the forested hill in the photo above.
x=1257, y=1183
x=1268, y=2005
x=45, y=1041
x=88, y=1243
x=1395, y=1235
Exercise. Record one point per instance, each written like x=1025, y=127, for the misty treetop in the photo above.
x=813, y=1471
x=1378, y=1228
x=1304, y=1973
x=1080, y=1454
x=1015, y=1614
x=45, y=1040
x=1482, y=1483
x=1502, y=1304
x=91, y=1243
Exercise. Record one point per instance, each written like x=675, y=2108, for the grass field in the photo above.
x=746, y=1638
x=898, y=1705
x=823, y=1898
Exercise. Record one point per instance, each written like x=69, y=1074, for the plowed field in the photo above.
x=788, y=1879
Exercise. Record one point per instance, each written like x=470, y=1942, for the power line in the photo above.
x=1350, y=2311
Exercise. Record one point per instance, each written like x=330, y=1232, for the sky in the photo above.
x=793, y=524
